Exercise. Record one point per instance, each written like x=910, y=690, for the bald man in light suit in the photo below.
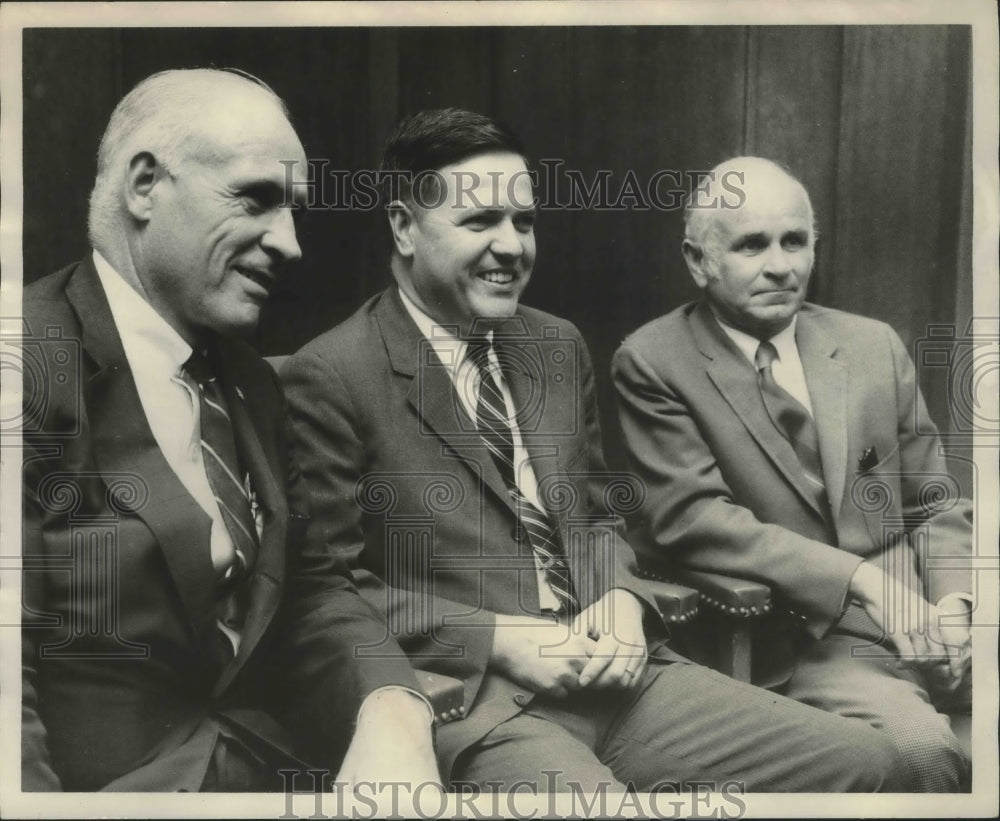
x=761, y=426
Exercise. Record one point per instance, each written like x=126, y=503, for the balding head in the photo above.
x=196, y=174
x=728, y=187
x=749, y=240
x=174, y=115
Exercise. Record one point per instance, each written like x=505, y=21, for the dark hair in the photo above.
x=430, y=140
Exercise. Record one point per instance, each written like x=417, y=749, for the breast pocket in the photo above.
x=877, y=494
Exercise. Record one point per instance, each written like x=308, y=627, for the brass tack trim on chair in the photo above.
x=449, y=715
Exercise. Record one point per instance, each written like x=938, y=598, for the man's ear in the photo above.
x=143, y=173
x=694, y=256
x=402, y=221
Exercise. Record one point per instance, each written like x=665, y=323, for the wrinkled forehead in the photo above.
x=251, y=145
x=247, y=125
x=758, y=200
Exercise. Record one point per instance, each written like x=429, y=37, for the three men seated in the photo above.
x=444, y=503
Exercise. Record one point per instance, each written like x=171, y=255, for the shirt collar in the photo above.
x=449, y=348
x=151, y=344
x=783, y=341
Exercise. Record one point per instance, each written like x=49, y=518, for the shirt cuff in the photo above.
x=390, y=688
x=964, y=597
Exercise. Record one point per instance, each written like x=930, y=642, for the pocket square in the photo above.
x=868, y=460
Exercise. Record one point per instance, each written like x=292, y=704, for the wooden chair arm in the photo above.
x=677, y=604
x=446, y=695
x=739, y=598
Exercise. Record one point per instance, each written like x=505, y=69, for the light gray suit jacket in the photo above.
x=725, y=492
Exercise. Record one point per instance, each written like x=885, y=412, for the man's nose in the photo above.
x=778, y=262
x=280, y=236
x=507, y=240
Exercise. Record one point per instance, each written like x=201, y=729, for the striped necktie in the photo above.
x=793, y=422
x=222, y=467
x=491, y=421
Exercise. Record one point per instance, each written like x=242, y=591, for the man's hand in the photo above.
x=955, y=622
x=940, y=647
x=615, y=621
x=392, y=741
x=542, y=655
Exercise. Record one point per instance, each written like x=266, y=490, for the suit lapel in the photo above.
x=826, y=378
x=432, y=394
x=124, y=444
x=736, y=380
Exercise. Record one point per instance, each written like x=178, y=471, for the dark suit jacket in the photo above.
x=403, y=487
x=122, y=679
x=724, y=491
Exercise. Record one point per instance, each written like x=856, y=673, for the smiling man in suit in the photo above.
x=175, y=637
x=449, y=438
x=778, y=441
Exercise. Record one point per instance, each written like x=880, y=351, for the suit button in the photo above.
x=520, y=699
x=517, y=533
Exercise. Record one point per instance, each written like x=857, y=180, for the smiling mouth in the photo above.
x=261, y=279
x=497, y=277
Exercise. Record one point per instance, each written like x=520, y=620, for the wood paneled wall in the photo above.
x=874, y=119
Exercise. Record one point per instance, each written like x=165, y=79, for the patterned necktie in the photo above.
x=218, y=449
x=491, y=420
x=794, y=422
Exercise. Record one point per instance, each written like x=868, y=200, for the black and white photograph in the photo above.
x=499, y=409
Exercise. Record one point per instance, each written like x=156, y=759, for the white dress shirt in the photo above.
x=465, y=377
x=156, y=354
x=787, y=366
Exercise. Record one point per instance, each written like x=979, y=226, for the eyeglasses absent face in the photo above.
x=471, y=242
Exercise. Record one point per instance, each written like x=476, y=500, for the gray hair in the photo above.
x=159, y=115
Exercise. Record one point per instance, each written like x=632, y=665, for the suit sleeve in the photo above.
x=448, y=636
x=930, y=496
x=691, y=513
x=37, y=773
x=604, y=491
x=326, y=620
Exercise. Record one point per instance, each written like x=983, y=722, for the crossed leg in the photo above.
x=877, y=690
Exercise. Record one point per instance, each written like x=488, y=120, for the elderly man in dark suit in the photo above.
x=175, y=637
x=778, y=441
x=449, y=437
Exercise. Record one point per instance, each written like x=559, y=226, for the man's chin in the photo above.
x=762, y=323
x=494, y=311
x=773, y=322
x=243, y=323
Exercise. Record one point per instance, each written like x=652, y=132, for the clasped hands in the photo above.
x=936, y=639
x=604, y=647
